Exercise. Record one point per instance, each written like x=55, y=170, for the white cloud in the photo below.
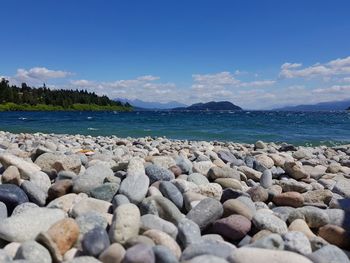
x=334, y=89
x=335, y=67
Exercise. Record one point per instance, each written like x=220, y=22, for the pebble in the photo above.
x=150, y=221
x=157, y=173
x=293, y=199
x=33, y=252
x=269, y=241
x=105, y=192
x=135, y=187
x=140, y=253
x=11, y=176
x=188, y=232
x=198, y=179
x=297, y=242
x=335, y=235
x=25, y=168
x=266, y=179
x=12, y=196
x=234, y=206
x=60, y=188
x=263, y=220
x=164, y=255
x=171, y=192
x=233, y=227
x=95, y=241
x=3, y=211
x=34, y=193
x=313, y=216
x=329, y=254
x=113, y=254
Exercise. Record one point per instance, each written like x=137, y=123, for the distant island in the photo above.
x=151, y=105
x=323, y=106
x=211, y=106
x=25, y=98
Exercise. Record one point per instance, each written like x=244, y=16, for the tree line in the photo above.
x=55, y=97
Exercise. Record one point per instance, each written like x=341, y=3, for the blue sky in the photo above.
x=257, y=54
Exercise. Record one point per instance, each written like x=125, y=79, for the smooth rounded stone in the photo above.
x=150, y=221
x=161, y=238
x=212, y=190
x=11, y=249
x=282, y=212
x=229, y=183
x=139, y=253
x=60, y=188
x=206, y=212
x=223, y=172
x=184, y=164
x=185, y=186
x=34, y=193
x=162, y=207
x=215, y=237
x=89, y=221
x=291, y=185
x=315, y=172
x=263, y=220
x=265, y=160
x=125, y=224
x=301, y=226
x=118, y=200
x=192, y=199
x=249, y=255
x=313, y=216
x=233, y=227
x=42, y=180
x=197, y=178
x=52, y=161
x=95, y=241
x=297, y=242
x=226, y=156
x=11, y=195
x=105, y=192
x=271, y=241
x=260, y=205
x=23, y=207
x=339, y=217
x=29, y=223
x=157, y=173
x=92, y=177
x=134, y=187
x=250, y=173
x=258, y=194
x=335, y=235
x=25, y=168
x=260, y=145
x=202, y=167
x=3, y=211
x=60, y=237
x=342, y=187
x=33, y=252
x=66, y=202
x=171, y=192
x=329, y=254
x=318, y=196
x=295, y=170
x=293, y=199
x=83, y=259
x=11, y=176
x=164, y=255
x=113, y=254
x=217, y=248
x=206, y=259
x=248, y=202
x=259, y=235
x=66, y=175
x=90, y=204
x=176, y=170
x=139, y=240
x=153, y=191
x=188, y=232
x=266, y=179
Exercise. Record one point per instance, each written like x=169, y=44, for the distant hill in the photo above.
x=152, y=105
x=323, y=106
x=212, y=106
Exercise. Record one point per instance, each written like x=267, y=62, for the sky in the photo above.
x=256, y=54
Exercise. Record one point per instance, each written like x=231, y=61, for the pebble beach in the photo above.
x=84, y=199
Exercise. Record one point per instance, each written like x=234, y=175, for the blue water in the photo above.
x=301, y=128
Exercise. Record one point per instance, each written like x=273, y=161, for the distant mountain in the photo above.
x=323, y=106
x=212, y=106
x=152, y=105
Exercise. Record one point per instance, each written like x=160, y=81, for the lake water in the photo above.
x=301, y=128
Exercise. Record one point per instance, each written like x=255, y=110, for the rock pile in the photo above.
x=74, y=198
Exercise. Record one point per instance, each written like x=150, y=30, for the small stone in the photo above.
x=313, y=216
x=282, y=212
x=12, y=196
x=139, y=240
x=3, y=211
x=297, y=242
x=229, y=183
x=42, y=180
x=95, y=241
x=266, y=179
x=335, y=235
x=113, y=254
x=23, y=207
x=140, y=253
x=295, y=170
x=125, y=224
x=202, y=167
x=293, y=199
x=171, y=192
x=206, y=212
x=118, y=200
x=329, y=254
x=271, y=241
x=301, y=226
x=234, y=206
x=25, y=168
x=265, y=160
x=60, y=237
x=52, y=161
x=150, y=221
x=250, y=173
x=318, y=196
x=91, y=204
x=11, y=176
x=66, y=202
x=176, y=170
x=233, y=227
x=260, y=145
x=33, y=252
x=263, y=220
x=105, y=192
x=134, y=187
x=198, y=179
x=188, y=232
x=206, y=259
x=164, y=255
x=223, y=172
x=157, y=173
x=34, y=193
x=292, y=185
x=60, y=188
x=258, y=194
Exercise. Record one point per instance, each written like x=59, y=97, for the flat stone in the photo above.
x=250, y=173
x=33, y=252
x=229, y=183
x=29, y=224
x=296, y=170
x=265, y=160
x=206, y=212
x=12, y=196
x=34, y=193
x=318, y=196
x=293, y=199
x=171, y=192
x=226, y=156
x=42, y=180
x=157, y=173
x=223, y=172
x=282, y=212
x=342, y=187
x=248, y=255
x=150, y=221
x=139, y=240
x=95, y=241
x=234, y=206
x=125, y=224
x=291, y=185
x=66, y=202
x=113, y=254
x=263, y=220
x=233, y=227
x=90, y=204
x=23, y=207
x=134, y=187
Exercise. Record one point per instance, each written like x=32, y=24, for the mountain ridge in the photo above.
x=322, y=106
x=211, y=106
